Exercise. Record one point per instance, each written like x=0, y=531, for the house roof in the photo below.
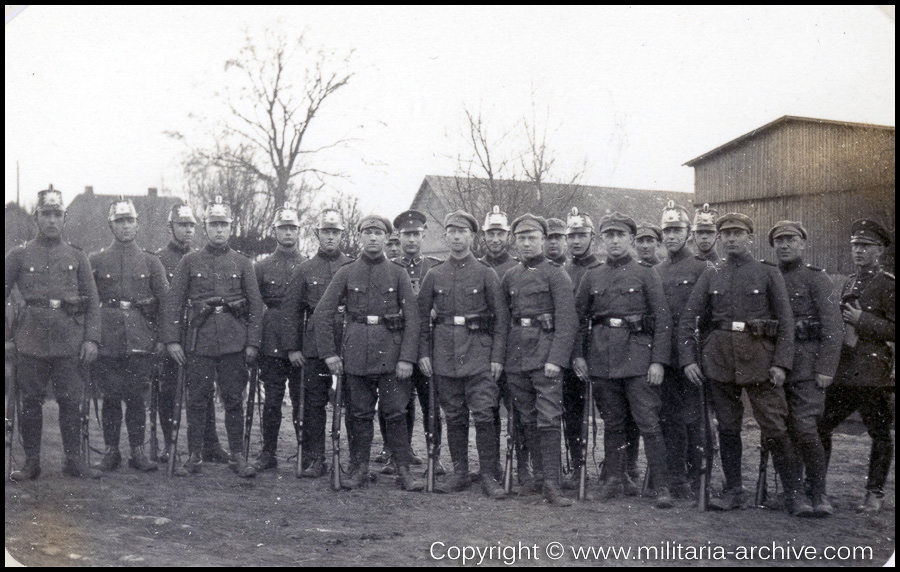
x=777, y=122
x=86, y=218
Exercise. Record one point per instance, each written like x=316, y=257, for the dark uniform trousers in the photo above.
x=537, y=399
x=680, y=421
x=391, y=394
x=170, y=256
x=739, y=291
x=317, y=383
x=273, y=372
x=124, y=380
x=230, y=373
x=864, y=379
x=48, y=335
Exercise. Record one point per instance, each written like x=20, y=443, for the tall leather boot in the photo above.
x=532, y=442
x=813, y=455
x=655, y=450
x=396, y=430
x=550, y=460
x=879, y=464
x=730, y=452
x=488, y=455
x=786, y=465
x=458, y=443
x=613, y=465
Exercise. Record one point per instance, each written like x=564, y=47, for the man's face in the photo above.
x=496, y=241
x=866, y=255
x=735, y=241
x=218, y=232
x=183, y=232
x=616, y=242
x=124, y=229
x=411, y=242
x=329, y=239
x=674, y=239
x=373, y=241
x=705, y=240
x=789, y=248
x=555, y=245
x=646, y=247
x=579, y=243
x=50, y=223
x=393, y=249
x=286, y=235
x=530, y=243
x=459, y=239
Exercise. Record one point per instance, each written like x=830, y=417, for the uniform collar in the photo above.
x=584, y=260
x=460, y=262
x=129, y=247
x=680, y=255
x=561, y=260
x=48, y=242
x=329, y=257
x=792, y=265
x=216, y=251
x=287, y=254
x=415, y=261
x=178, y=247
x=372, y=261
x=742, y=258
x=497, y=260
x=533, y=262
x=619, y=262
x=868, y=272
x=710, y=255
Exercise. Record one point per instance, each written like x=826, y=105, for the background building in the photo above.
x=822, y=173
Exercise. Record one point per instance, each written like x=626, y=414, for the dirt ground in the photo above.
x=131, y=519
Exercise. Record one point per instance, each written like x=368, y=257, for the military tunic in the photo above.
x=171, y=255
x=416, y=267
x=501, y=264
x=62, y=311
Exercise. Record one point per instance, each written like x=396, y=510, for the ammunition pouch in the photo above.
x=239, y=308
x=393, y=322
x=480, y=322
x=808, y=329
x=75, y=306
x=546, y=322
x=272, y=303
x=148, y=307
x=763, y=328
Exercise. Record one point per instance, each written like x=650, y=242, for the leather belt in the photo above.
x=610, y=322
x=120, y=304
x=526, y=322
x=368, y=320
x=732, y=326
x=451, y=320
x=51, y=304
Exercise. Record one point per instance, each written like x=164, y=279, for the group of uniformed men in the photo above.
x=654, y=340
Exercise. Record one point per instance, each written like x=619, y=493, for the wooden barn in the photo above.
x=86, y=219
x=822, y=173
x=439, y=195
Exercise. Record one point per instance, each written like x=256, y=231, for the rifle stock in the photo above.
x=251, y=397
x=510, y=447
x=154, y=409
x=587, y=414
x=762, y=479
x=301, y=405
x=706, y=450
x=179, y=392
x=12, y=407
x=336, y=483
x=429, y=438
x=86, y=414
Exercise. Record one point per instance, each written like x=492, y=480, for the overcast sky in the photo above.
x=635, y=92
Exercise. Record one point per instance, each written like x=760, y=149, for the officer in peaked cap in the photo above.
x=555, y=245
x=542, y=329
x=273, y=274
x=679, y=417
x=57, y=333
x=217, y=287
x=307, y=285
x=464, y=350
x=629, y=345
x=132, y=286
x=704, y=233
x=182, y=227
x=380, y=346
x=646, y=240
x=817, y=343
x=864, y=378
x=750, y=348
x=411, y=227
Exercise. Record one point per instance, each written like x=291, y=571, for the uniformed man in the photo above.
x=817, y=347
x=555, y=245
x=496, y=242
x=630, y=343
x=464, y=350
x=646, y=241
x=679, y=417
x=704, y=233
x=379, y=348
x=55, y=336
x=307, y=285
x=538, y=294
x=750, y=347
x=579, y=238
x=273, y=274
x=411, y=226
x=219, y=287
x=182, y=225
x=864, y=378
x=132, y=286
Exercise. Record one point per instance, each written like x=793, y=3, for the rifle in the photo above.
x=251, y=396
x=430, y=441
x=706, y=449
x=301, y=405
x=86, y=414
x=761, y=481
x=154, y=408
x=336, y=483
x=510, y=447
x=179, y=391
x=12, y=406
x=587, y=414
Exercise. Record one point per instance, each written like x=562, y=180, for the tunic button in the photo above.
x=756, y=291
x=631, y=289
x=70, y=268
x=390, y=289
x=31, y=269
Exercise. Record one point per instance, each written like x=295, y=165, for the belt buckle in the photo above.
x=372, y=320
x=341, y=309
x=526, y=322
x=738, y=326
x=616, y=322
x=55, y=304
x=459, y=320
x=219, y=309
x=124, y=304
